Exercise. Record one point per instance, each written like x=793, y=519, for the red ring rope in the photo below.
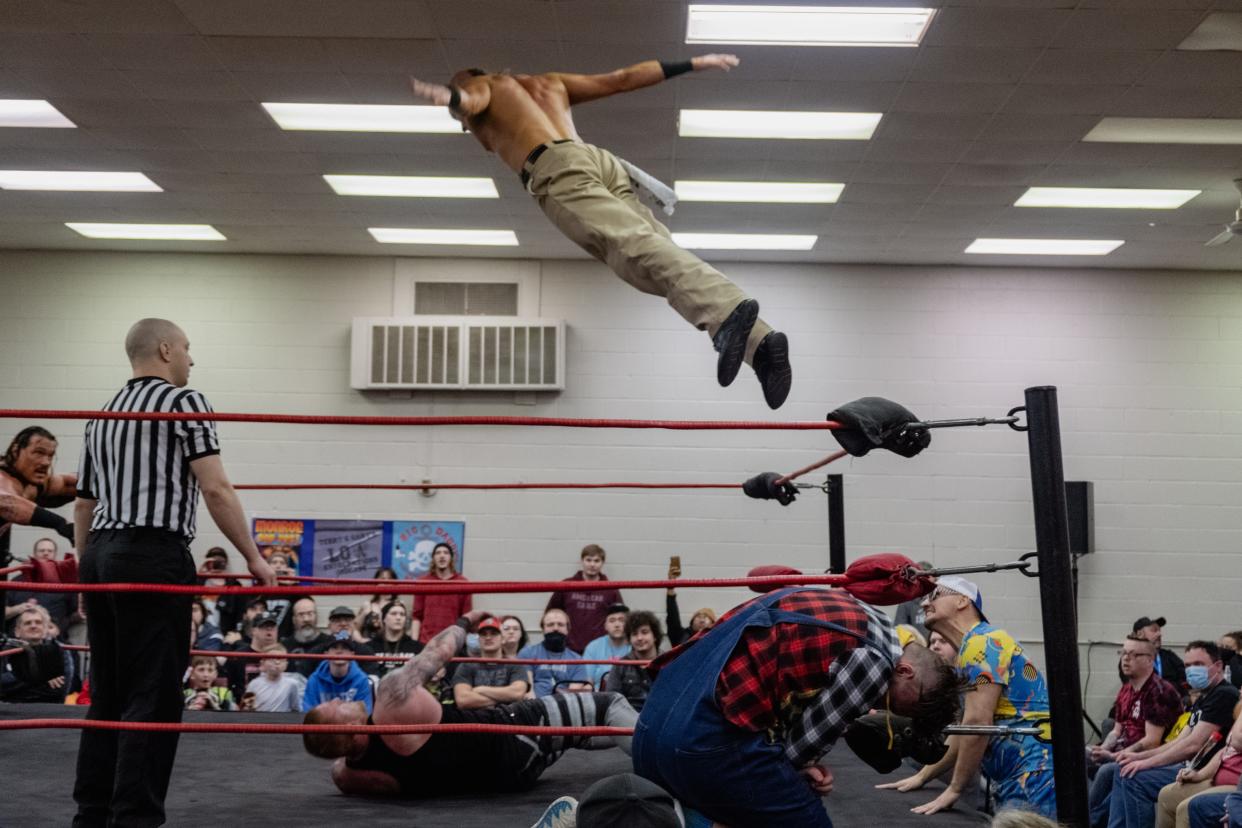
x=240, y=727
x=15, y=651
x=430, y=587
x=447, y=486
x=313, y=419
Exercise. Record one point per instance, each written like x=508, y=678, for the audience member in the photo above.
x=911, y=612
x=338, y=678
x=477, y=685
x=306, y=636
x=704, y=618
x=1168, y=665
x=278, y=558
x=1219, y=775
x=368, y=614
x=1146, y=706
x=1138, y=777
x=1007, y=690
x=907, y=635
x=255, y=607
x=224, y=611
x=16, y=685
x=941, y=646
x=586, y=608
x=206, y=635
x=343, y=619
x=612, y=644
x=241, y=671
x=512, y=636
x=201, y=690
x=642, y=630
x=550, y=678
x=432, y=613
x=1232, y=641
x=273, y=690
x=61, y=606
x=392, y=639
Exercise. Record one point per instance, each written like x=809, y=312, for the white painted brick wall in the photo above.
x=1149, y=367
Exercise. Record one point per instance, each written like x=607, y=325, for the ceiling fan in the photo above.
x=1233, y=228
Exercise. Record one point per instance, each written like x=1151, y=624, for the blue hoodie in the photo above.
x=322, y=687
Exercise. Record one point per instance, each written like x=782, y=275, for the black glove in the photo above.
x=874, y=421
x=868, y=737
x=763, y=487
x=47, y=519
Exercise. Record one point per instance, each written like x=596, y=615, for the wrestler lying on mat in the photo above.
x=419, y=765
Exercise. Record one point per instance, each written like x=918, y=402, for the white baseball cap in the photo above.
x=958, y=584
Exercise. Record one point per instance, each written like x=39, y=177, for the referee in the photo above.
x=138, y=487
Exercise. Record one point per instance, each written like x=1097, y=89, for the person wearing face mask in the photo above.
x=1140, y=776
x=1229, y=644
x=549, y=678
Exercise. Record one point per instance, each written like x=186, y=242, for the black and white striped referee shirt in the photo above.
x=139, y=471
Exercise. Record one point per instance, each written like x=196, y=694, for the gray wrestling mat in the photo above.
x=243, y=780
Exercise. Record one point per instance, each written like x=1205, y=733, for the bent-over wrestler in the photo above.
x=421, y=765
x=587, y=192
x=29, y=489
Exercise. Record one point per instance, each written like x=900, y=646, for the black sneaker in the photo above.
x=771, y=364
x=730, y=340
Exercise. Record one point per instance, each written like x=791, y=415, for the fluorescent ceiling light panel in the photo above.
x=1167, y=131
x=1045, y=247
x=1105, y=198
x=30, y=113
x=749, y=123
x=179, y=232
x=412, y=186
x=112, y=182
x=807, y=25
x=414, y=235
x=743, y=241
x=1219, y=32
x=769, y=192
x=361, y=117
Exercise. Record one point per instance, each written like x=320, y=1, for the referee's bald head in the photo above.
x=144, y=339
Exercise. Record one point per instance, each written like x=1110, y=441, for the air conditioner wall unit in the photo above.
x=484, y=353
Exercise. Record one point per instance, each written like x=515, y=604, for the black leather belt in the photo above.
x=534, y=154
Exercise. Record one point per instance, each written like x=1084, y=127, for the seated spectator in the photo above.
x=279, y=559
x=1219, y=775
x=273, y=691
x=1168, y=665
x=342, y=619
x=643, y=630
x=207, y=636
x=1232, y=642
x=392, y=639
x=549, y=678
x=478, y=685
x=377, y=602
x=612, y=644
x=1216, y=810
x=254, y=608
x=224, y=611
x=1146, y=705
x=201, y=691
x=942, y=647
x=703, y=618
x=241, y=671
x=338, y=678
x=15, y=683
x=306, y=636
x=432, y=613
x=1137, y=778
x=512, y=635
x=60, y=606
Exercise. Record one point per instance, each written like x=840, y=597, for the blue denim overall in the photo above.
x=684, y=743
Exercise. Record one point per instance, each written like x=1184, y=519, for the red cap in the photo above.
x=490, y=621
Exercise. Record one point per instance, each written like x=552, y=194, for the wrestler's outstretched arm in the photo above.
x=583, y=88
x=17, y=509
x=400, y=683
x=470, y=98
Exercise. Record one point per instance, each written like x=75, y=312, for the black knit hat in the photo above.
x=627, y=800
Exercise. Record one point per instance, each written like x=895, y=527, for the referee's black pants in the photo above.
x=140, y=648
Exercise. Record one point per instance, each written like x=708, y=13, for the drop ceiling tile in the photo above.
x=246, y=140
x=399, y=56
x=1170, y=102
x=64, y=49
x=994, y=174
x=973, y=64
x=1004, y=27
x=310, y=18
x=1023, y=127
x=519, y=57
x=513, y=20
x=300, y=87
x=14, y=85
x=195, y=86
x=275, y=54
x=1123, y=29
x=877, y=172
x=216, y=114
x=887, y=193
x=976, y=196
x=852, y=65
x=55, y=82
x=93, y=112
x=212, y=182
x=60, y=140
x=914, y=150
x=1107, y=154
x=1064, y=99
x=182, y=53
x=952, y=97
x=733, y=93
x=1091, y=67
x=1220, y=69
x=930, y=126
x=1013, y=152
x=638, y=22
x=31, y=16
x=261, y=162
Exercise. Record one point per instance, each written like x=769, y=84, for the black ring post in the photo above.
x=836, y=523
x=1056, y=594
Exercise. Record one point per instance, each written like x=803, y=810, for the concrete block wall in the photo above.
x=1148, y=366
